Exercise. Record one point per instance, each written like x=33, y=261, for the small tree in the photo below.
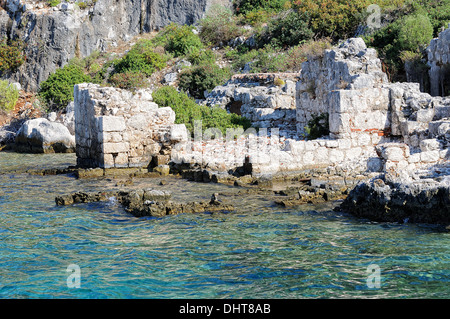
x=415, y=31
x=57, y=90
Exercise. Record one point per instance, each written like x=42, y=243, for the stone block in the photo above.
x=353, y=153
x=336, y=156
x=107, y=161
x=414, y=158
x=429, y=156
x=429, y=145
x=109, y=148
x=158, y=160
x=178, y=133
x=322, y=156
x=295, y=147
x=121, y=160
x=163, y=170
x=394, y=154
x=425, y=115
x=111, y=123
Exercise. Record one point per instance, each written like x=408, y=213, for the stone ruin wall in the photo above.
x=439, y=63
x=374, y=125
x=115, y=128
x=266, y=99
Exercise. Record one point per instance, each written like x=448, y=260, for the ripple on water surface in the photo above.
x=260, y=251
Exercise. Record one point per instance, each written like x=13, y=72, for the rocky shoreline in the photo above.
x=420, y=198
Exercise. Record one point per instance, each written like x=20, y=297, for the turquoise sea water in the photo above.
x=259, y=251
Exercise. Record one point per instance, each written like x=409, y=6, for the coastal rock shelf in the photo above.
x=148, y=202
x=419, y=198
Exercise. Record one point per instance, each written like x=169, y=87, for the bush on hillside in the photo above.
x=9, y=95
x=415, y=32
x=141, y=58
x=288, y=29
x=129, y=80
x=219, y=26
x=187, y=111
x=337, y=19
x=57, y=90
x=178, y=40
x=246, y=6
x=198, y=57
x=201, y=78
x=11, y=54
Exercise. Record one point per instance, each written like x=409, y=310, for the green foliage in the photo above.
x=53, y=3
x=409, y=33
x=289, y=29
x=219, y=26
x=57, y=90
x=198, y=57
x=202, y=78
x=143, y=58
x=246, y=6
x=11, y=54
x=129, y=80
x=178, y=40
x=337, y=19
x=9, y=95
x=318, y=126
x=415, y=31
x=187, y=111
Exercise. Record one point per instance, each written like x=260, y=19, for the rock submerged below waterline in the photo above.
x=147, y=202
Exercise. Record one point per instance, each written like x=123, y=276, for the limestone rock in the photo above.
x=42, y=136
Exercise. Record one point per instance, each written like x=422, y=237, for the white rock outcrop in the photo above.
x=42, y=136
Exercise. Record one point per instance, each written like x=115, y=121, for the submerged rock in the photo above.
x=146, y=202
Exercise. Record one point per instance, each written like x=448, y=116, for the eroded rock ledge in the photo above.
x=423, y=197
x=147, y=202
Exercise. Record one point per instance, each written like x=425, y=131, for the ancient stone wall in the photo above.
x=439, y=63
x=266, y=99
x=116, y=128
x=345, y=83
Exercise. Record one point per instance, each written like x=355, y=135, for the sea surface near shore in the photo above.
x=259, y=251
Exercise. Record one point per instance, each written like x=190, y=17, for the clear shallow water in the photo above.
x=260, y=251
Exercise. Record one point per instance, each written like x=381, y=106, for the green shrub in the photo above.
x=187, y=111
x=197, y=56
x=143, y=58
x=256, y=17
x=415, y=31
x=337, y=19
x=246, y=6
x=53, y=3
x=9, y=95
x=178, y=40
x=409, y=33
x=129, y=80
x=219, y=26
x=318, y=126
x=288, y=29
x=11, y=54
x=57, y=90
x=201, y=78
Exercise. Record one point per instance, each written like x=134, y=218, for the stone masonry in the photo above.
x=116, y=128
x=266, y=99
x=439, y=63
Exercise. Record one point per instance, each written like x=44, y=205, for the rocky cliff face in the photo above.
x=55, y=35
